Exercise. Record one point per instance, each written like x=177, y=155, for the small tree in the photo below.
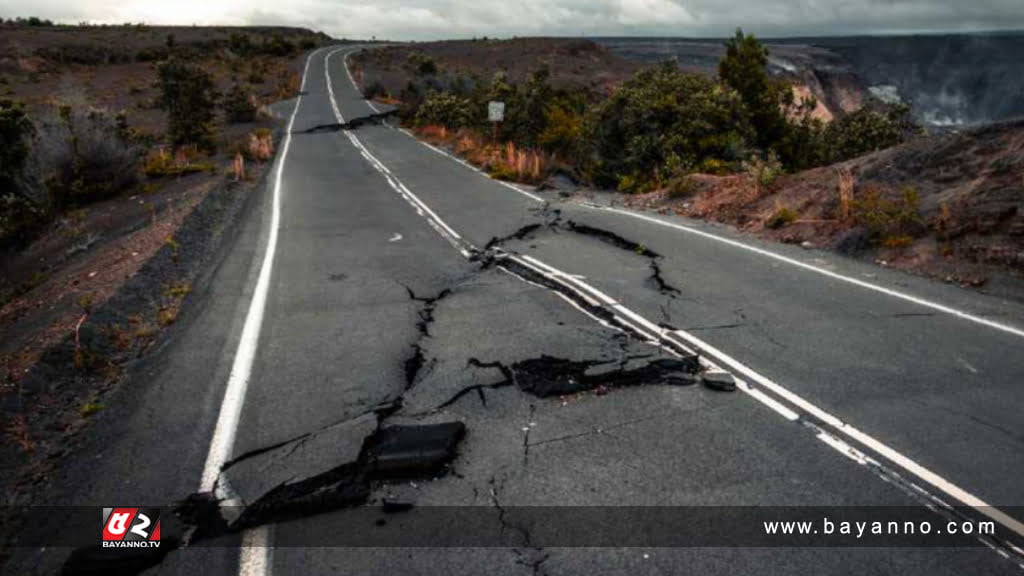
x=188, y=95
x=873, y=127
x=744, y=68
x=527, y=112
x=14, y=126
x=239, y=106
x=19, y=216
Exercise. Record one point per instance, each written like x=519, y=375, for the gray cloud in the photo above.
x=427, y=19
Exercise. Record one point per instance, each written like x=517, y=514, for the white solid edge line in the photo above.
x=508, y=185
x=834, y=275
x=256, y=556
x=223, y=440
x=904, y=462
x=394, y=182
x=353, y=81
x=895, y=457
x=255, y=553
x=330, y=88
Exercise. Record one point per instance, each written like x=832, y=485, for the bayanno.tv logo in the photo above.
x=131, y=527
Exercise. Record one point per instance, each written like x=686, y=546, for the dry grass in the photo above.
x=503, y=161
x=161, y=162
x=846, y=185
x=288, y=87
x=260, y=145
x=238, y=168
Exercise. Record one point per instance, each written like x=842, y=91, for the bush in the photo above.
x=152, y=54
x=188, y=95
x=160, y=163
x=680, y=187
x=661, y=123
x=20, y=217
x=422, y=64
x=240, y=106
x=87, y=54
x=240, y=44
x=873, y=127
x=83, y=155
x=782, y=217
x=562, y=130
x=278, y=46
x=14, y=130
x=764, y=171
x=375, y=89
x=887, y=220
x=444, y=109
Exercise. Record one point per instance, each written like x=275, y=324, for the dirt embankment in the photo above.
x=949, y=206
x=101, y=282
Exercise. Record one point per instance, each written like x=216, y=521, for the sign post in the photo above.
x=496, y=114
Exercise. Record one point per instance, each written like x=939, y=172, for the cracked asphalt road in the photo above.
x=392, y=370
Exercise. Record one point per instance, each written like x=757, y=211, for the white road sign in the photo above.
x=496, y=111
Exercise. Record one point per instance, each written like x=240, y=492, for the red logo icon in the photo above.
x=131, y=527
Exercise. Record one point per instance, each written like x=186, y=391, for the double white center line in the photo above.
x=831, y=430
x=841, y=436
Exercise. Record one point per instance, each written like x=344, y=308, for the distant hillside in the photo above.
x=32, y=49
x=948, y=79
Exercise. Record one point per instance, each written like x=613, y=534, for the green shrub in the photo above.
x=744, y=68
x=239, y=106
x=375, y=89
x=14, y=129
x=680, y=187
x=873, y=127
x=240, y=44
x=87, y=54
x=659, y=123
x=782, y=217
x=445, y=109
x=152, y=54
x=188, y=95
x=422, y=64
x=278, y=46
x=20, y=216
x=562, y=130
x=526, y=108
x=765, y=170
x=886, y=218
x=84, y=156
x=20, y=219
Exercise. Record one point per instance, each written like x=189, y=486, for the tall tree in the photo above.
x=745, y=69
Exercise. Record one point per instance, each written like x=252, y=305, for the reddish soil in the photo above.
x=86, y=268
x=971, y=190
x=73, y=277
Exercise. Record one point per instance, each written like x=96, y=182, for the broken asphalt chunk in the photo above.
x=412, y=451
x=289, y=465
x=548, y=376
x=377, y=118
x=721, y=381
x=389, y=506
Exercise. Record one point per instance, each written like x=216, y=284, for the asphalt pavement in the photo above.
x=429, y=338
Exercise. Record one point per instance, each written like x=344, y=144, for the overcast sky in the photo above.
x=429, y=19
